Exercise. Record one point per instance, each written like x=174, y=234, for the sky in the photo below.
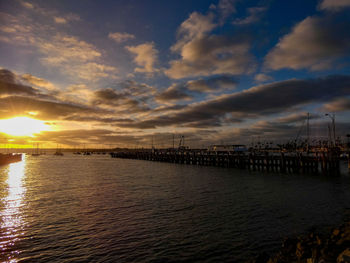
x=132, y=73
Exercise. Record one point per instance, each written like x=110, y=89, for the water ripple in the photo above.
x=97, y=209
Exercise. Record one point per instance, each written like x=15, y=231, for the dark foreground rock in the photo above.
x=313, y=248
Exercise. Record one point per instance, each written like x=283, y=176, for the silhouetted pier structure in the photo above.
x=10, y=158
x=276, y=162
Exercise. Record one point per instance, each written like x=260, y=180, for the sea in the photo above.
x=77, y=208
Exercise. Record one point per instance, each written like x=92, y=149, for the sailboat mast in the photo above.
x=308, y=131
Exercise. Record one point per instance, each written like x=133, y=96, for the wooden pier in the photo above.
x=280, y=163
x=10, y=158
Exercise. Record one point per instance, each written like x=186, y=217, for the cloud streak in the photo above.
x=257, y=101
x=120, y=37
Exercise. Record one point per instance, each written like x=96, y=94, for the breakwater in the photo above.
x=10, y=158
x=281, y=162
x=314, y=247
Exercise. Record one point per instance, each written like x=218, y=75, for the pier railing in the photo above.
x=283, y=163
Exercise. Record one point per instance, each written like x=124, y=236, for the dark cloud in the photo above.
x=17, y=105
x=175, y=92
x=182, y=91
x=127, y=96
x=109, y=120
x=277, y=132
x=163, y=108
x=261, y=100
x=134, y=88
x=212, y=84
x=108, y=95
x=120, y=101
x=10, y=85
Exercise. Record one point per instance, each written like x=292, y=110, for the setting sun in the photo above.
x=22, y=126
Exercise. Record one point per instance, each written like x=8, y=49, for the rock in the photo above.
x=336, y=232
x=289, y=246
x=344, y=257
x=314, y=248
x=261, y=258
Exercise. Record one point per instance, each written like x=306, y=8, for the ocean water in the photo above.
x=76, y=208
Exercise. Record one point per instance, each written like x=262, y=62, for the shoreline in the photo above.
x=318, y=246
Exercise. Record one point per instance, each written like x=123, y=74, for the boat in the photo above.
x=36, y=153
x=58, y=152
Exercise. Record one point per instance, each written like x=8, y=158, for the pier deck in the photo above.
x=10, y=158
x=283, y=163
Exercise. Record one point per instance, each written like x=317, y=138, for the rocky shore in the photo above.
x=313, y=248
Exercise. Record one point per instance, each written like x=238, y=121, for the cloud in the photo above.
x=76, y=92
x=60, y=20
x=297, y=117
x=19, y=99
x=105, y=120
x=51, y=13
x=146, y=56
x=110, y=138
x=123, y=90
x=203, y=54
x=120, y=37
x=334, y=5
x=45, y=109
x=72, y=56
x=260, y=100
x=196, y=26
x=66, y=19
x=255, y=14
x=168, y=108
x=107, y=96
x=181, y=91
x=27, y=5
x=10, y=85
x=39, y=82
x=262, y=78
x=213, y=55
x=212, y=84
x=173, y=93
x=74, y=137
x=122, y=101
x=342, y=104
x=315, y=43
x=225, y=8
x=135, y=88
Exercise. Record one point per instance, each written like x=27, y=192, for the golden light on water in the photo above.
x=22, y=126
x=11, y=214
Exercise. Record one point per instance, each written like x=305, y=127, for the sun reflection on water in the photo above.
x=11, y=218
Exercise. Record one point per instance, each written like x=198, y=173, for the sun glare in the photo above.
x=22, y=126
